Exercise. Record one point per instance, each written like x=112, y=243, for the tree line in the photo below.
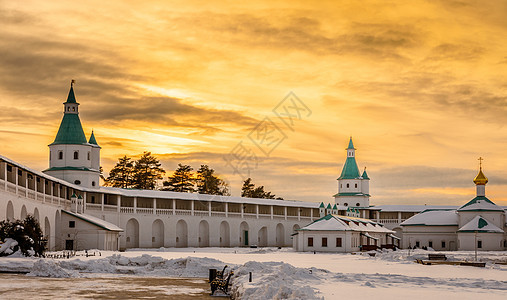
x=144, y=173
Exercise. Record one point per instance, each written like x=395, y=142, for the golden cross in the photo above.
x=480, y=159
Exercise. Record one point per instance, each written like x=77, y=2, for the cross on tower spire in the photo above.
x=480, y=159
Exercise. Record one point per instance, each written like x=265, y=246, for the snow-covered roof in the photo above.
x=40, y=174
x=166, y=194
x=203, y=197
x=328, y=222
x=480, y=203
x=480, y=224
x=410, y=208
x=95, y=221
x=345, y=223
x=433, y=218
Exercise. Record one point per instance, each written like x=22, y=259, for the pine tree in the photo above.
x=181, y=181
x=250, y=191
x=122, y=175
x=147, y=170
x=208, y=183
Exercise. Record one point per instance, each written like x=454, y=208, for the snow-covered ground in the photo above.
x=285, y=274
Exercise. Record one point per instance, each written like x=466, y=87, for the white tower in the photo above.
x=353, y=188
x=71, y=157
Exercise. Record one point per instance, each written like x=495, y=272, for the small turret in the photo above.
x=322, y=210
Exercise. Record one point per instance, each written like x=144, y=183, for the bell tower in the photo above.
x=71, y=157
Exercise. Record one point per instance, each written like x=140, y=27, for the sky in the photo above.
x=269, y=89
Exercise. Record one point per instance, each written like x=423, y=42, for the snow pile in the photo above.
x=273, y=280
x=144, y=265
x=8, y=246
x=50, y=268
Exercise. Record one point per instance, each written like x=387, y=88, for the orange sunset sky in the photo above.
x=419, y=85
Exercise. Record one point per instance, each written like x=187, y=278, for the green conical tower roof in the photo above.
x=350, y=169
x=70, y=131
x=334, y=207
x=92, y=140
x=351, y=145
x=365, y=175
x=322, y=205
x=71, y=98
x=329, y=206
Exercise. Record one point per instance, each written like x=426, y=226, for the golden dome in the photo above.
x=480, y=179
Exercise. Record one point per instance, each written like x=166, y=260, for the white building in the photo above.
x=335, y=233
x=478, y=224
x=124, y=218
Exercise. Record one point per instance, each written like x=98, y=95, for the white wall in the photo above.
x=490, y=241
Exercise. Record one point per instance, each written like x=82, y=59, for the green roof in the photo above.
x=351, y=145
x=350, y=170
x=334, y=207
x=479, y=207
x=322, y=205
x=70, y=168
x=365, y=175
x=351, y=194
x=92, y=140
x=71, y=131
x=71, y=98
x=329, y=206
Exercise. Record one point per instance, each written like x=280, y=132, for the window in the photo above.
x=341, y=185
x=88, y=155
x=310, y=242
x=72, y=224
x=76, y=154
x=430, y=244
x=93, y=199
x=338, y=242
x=346, y=204
x=347, y=185
x=153, y=239
x=60, y=154
x=357, y=204
x=73, y=109
x=9, y=168
x=443, y=244
x=356, y=185
x=324, y=242
x=417, y=244
x=479, y=244
x=77, y=181
x=20, y=173
x=93, y=183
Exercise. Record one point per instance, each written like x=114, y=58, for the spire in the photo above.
x=92, y=140
x=70, y=131
x=365, y=175
x=351, y=145
x=350, y=169
x=71, y=98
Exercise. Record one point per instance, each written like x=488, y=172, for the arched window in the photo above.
x=346, y=204
x=357, y=204
x=356, y=185
x=347, y=185
x=88, y=155
x=60, y=154
x=93, y=183
x=76, y=154
x=77, y=181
